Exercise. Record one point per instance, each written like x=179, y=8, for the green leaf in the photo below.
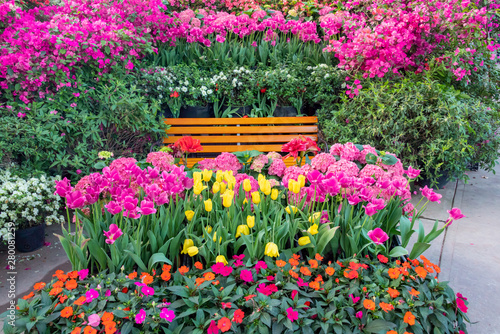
x=157, y=257
x=398, y=251
x=371, y=158
x=100, y=165
x=418, y=249
x=379, y=325
x=137, y=260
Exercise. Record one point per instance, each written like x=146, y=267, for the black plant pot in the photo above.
x=165, y=112
x=240, y=110
x=287, y=111
x=30, y=239
x=197, y=112
x=441, y=181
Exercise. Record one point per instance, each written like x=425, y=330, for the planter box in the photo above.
x=30, y=239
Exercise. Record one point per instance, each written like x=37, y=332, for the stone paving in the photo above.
x=468, y=252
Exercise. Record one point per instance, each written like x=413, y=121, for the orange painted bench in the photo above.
x=265, y=134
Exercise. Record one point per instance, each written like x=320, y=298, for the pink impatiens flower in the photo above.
x=21, y=115
x=140, y=317
x=94, y=320
x=167, y=314
x=291, y=314
x=246, y=275
x=461, y=303
x=378, y=236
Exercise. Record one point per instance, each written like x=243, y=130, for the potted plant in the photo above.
x=159, y=83
x=196, y=91
x=323, y=86
x=283, y=90
x=29, y=204
x=235, y=91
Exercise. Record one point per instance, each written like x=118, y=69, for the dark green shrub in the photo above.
x=428, y=125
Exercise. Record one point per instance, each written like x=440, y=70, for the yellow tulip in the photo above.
x=251, y=221
x=271, y=250
x=207, y=175
x=227, y=198
x=315, y=216
x=221, y=258
x=215, y=238
x=196, y=177
x=192, y=251
x=289, y=209
x=255, y=197
x=189, y=214
x=245, y=201
x=208, y=205
x=231, y=183
x=247, y=185
x=274, y=194
x=296, y=187
x=219, y=176
x=260, y=178
x=208, y=229
x=187, y=243
x=198, y=187
x=313, y=229
x=223, y=187
x=304, y=241
x=302, y=180
x=265, y=187
x=227, y=175
x=242, y=229
x=290, y=184
x=216, y=187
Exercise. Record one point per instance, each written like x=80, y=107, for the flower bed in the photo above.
x=285, y=295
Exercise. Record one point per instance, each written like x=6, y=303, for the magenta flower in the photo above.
x=213, y=329
x=114, y=233
x=72, y=105
x=113, y=207
x=108, y=293
x=147, y=207
x=370, y=209
x=167, y=314
x=83, y=274
x=246, y=275
x=63, y=134
x=75, y=199
x=147, y=291
x=359, y=314
x=378, y=236
x=354, y=299
x=226, y=271
x=455, y=214
x=430, y=194
x=63, y=187
x=260, y=265
x=78, y=171
x=412, y=173
x=140, y=317
x=294, y=293
x=130, y=203
x=94, y=320
x=76, y=94
x=291, y=314
x=91, y=295
x=461, y=303
x=21, y=115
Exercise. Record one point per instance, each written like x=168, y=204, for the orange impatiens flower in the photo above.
x=71, y=284
x=386, y=307
x=414, y=292
x=224, y=324
x=89, y=330
x=409, y=318
x=393, y=273
x=67, y=312
x=314, y=285
x=199, y=281
x=393, y=292
x=369, y=304
x=183, y=270
x=209, y=276
x=280, y=263
x=313, y=263
x=330, y=271
x=305, y=271
x=293, y=274
x=28, y=296
x=39, y=286
x=392, y=332
x=296, y=256
x=58, y=284
x=132, y=275
x=318, y=257
x=351, y=274
x=146, y=278
x=107, y=316
x=77, y=330
x=80, y=301
x=293, y=262
x=55, y=291
x=166, y=276
x=198, y=265
x=421, y=272
x=60, y=275
x=73, y=274
x=62, y=298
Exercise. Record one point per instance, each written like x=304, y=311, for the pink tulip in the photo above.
x=147, y=207
x=378, y=236
x=75, y=199
x=63, y=187
x=114, y=233
x=412, y=173
x=113, y=207
x=455, y=214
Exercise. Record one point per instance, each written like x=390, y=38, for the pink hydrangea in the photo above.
x=347, y=151
x=322, y=161
x=277, y=168
x=259, y=163
x=372, y=171
x=366, y=149
x=343, y=165
x=224, y=161
x=162, y=160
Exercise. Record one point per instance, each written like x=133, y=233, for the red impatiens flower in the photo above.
x=224, y=324
x=238, y=316
x=263, y=90
x=174, y=94
x=188, y=144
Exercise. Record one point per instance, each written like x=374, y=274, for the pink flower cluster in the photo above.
x=119, y=186
x=224, y=161
x=164, y=161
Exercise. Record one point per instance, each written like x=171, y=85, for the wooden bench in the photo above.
x=265, y=134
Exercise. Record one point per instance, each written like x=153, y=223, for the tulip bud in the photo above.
x=304, y=241
x=216, y=187
x=274, y=194
x=192, y=251
x=208, y=205
x=207, y=175
x=251, y=221
x=189, y=214
x=196, y=177
x=247, y=185
x=255, y=197
x=221, y=258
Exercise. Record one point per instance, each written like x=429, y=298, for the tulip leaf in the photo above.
x=137, y=260
x=418, y=249
x=325, y=238
x=157, y=257
x=398, y=251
